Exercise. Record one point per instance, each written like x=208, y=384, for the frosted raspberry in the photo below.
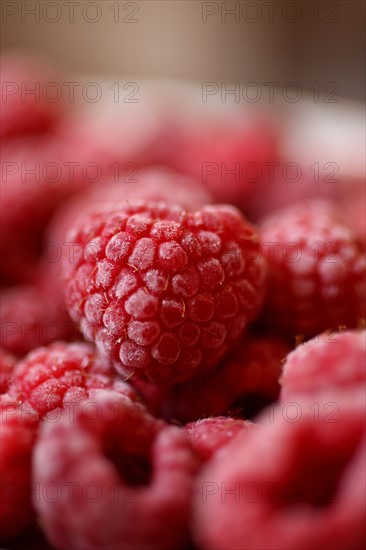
x=131, y=478
x=294, y=482
x=317, y=270
x=7, y=364
x=246, y=380
x=210, y=434
x=149, y=283
x=17, y=437
x=328, y=360
x=51, y=377
x=32, y=315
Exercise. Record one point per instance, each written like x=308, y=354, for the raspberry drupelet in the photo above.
x=164, y=291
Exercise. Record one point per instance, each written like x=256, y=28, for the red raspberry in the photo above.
x=329, y=360
x=131, y=478
x=247, y=379
x=32, y=316
x=7, y=364
x=17, y=436
x=317, y=270
x=51, y=377
x=210, y=434
x=295, y=482
x=26, y=85
x=162, y=289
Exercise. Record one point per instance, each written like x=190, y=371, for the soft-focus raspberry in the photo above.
x=28, y=89
x=162, y=289
x=290, y=483
x=7, y=364
x=17, y=436
x=210, y=434
x=317, y=271
x=329, y=360
x=246, y=380
x=139, y=474
x=51, y=377
x=230, y=156
x=32, y=316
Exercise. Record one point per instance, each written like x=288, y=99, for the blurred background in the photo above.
x=305, y=41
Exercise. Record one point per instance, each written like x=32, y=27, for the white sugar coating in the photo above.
x=143, y=333
x=138, y=224
x=93, y=249
x=172, y=256
x=210, y=242
x=94, y=306
x=141, y=304
x=104, y=273
x=133, y=355
x=142, y=256
x=187, y=283
x=125, y=283
x=119, y=246
x=155, y=280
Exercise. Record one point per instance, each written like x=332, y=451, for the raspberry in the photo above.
x=316, y=271
x=32, y=315
x=210, y=434
x=7, y=364
x=17, y=437
x=139, y=474
x=150, y=283
x=23, y=112
x=329, y=360
x=51, y=377
x=289, y=484
x=245, y=380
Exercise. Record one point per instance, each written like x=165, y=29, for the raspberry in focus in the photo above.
x=164, y=291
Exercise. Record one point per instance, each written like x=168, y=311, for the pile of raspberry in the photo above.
x=182, y=361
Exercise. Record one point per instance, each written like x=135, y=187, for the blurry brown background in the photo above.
x=305, y=41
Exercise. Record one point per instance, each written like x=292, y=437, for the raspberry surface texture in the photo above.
x=329, y=360
x=162, y=290
x=18, y=431
x=211, y=434
x=289, y=484
x=317, y=270
x=51, y=377
x=142, y=473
